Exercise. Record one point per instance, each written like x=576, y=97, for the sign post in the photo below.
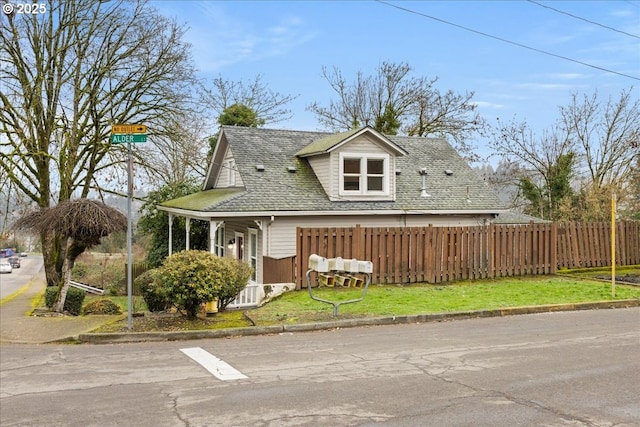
x=613, y=245
x=129, y=134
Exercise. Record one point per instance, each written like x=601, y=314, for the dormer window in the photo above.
x=364, y=174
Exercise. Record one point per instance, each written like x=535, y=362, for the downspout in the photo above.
x=187, y=231
x=267, y=240
x=170, y=251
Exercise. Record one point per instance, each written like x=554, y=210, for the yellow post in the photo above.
x=211, y=308
x=613, y=245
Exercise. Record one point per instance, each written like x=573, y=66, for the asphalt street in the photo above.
x=555, y=369
x=19, y=277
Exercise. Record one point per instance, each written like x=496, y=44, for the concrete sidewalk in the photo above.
x=18, y=325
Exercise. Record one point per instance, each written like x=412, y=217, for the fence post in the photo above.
x=357, y=249
x=554, y=247
x=492, y=250
x=299, y=257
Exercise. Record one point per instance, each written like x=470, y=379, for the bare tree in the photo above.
x=179, y=155
x=535, y=161
x=601, y=136
x=392, y=101
x=81, y=223
x=70, y=73
x=606, y=134
x=268, y=106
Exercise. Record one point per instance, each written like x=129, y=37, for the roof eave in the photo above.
x=267, y=213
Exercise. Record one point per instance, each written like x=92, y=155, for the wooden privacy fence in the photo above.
x=278, y=270
x=137, y=268
x=441, y=254
x=589, y=245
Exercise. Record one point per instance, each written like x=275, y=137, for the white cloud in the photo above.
x=565, y=76
x=220, y=40
x=545, y=86
x=488, y=105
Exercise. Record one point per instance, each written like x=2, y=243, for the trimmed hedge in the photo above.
x=73, y=302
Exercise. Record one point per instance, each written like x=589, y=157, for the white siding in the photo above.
x=281, y=233
x=321, y=167
x=225, y=171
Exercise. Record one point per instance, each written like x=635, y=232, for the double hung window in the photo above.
x=364, y=174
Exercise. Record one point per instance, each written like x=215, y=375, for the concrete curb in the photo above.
x=131, y=337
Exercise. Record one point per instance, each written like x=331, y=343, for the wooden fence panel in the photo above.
x=442, y=254
x=589, y=245
x=633, y=240
x=278, y=270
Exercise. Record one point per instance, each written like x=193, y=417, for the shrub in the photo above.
x=73, y=302
x=235, y=276
x=80, y=270
x=102, y=306
x=193, y=278
x=50, y=296
x=153, y=293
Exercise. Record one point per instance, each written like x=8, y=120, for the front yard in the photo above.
x=395, y=300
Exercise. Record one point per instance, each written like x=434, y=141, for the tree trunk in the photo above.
x=51, y=254
x=66, y=279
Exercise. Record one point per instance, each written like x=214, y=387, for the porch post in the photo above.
x=170, y=234
x=213, y=234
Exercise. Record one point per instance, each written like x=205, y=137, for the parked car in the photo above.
x=23, y=254
x=14, y=261
x=5, y=267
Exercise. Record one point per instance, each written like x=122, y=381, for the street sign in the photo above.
x=126, y=129
x=123, y=139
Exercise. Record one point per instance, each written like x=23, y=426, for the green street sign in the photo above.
x=124, y=139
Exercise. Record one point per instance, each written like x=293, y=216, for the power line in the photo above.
x=583, y=19
x=507, y=41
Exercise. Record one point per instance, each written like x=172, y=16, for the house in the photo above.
x=515, y=217
x=263, y=183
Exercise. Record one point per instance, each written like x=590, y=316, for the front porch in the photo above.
x=245, y=240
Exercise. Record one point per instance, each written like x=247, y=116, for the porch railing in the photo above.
x=248, y=297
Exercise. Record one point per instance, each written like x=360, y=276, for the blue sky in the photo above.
x=288, y=43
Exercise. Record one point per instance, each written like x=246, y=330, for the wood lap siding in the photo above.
x=443, y=254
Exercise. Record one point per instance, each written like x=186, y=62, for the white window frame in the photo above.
x=364, y=157
x=220, y=245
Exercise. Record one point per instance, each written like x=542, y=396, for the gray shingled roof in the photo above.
x=277, y=189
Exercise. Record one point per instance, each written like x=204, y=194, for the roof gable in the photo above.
x=331, y=142
x=215, y=164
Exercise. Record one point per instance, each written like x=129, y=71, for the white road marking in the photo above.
x=219, y=368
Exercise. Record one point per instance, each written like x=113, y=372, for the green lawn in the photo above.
x=390, y=300
x=386, y=300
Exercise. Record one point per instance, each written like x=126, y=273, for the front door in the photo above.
x=239, y=246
